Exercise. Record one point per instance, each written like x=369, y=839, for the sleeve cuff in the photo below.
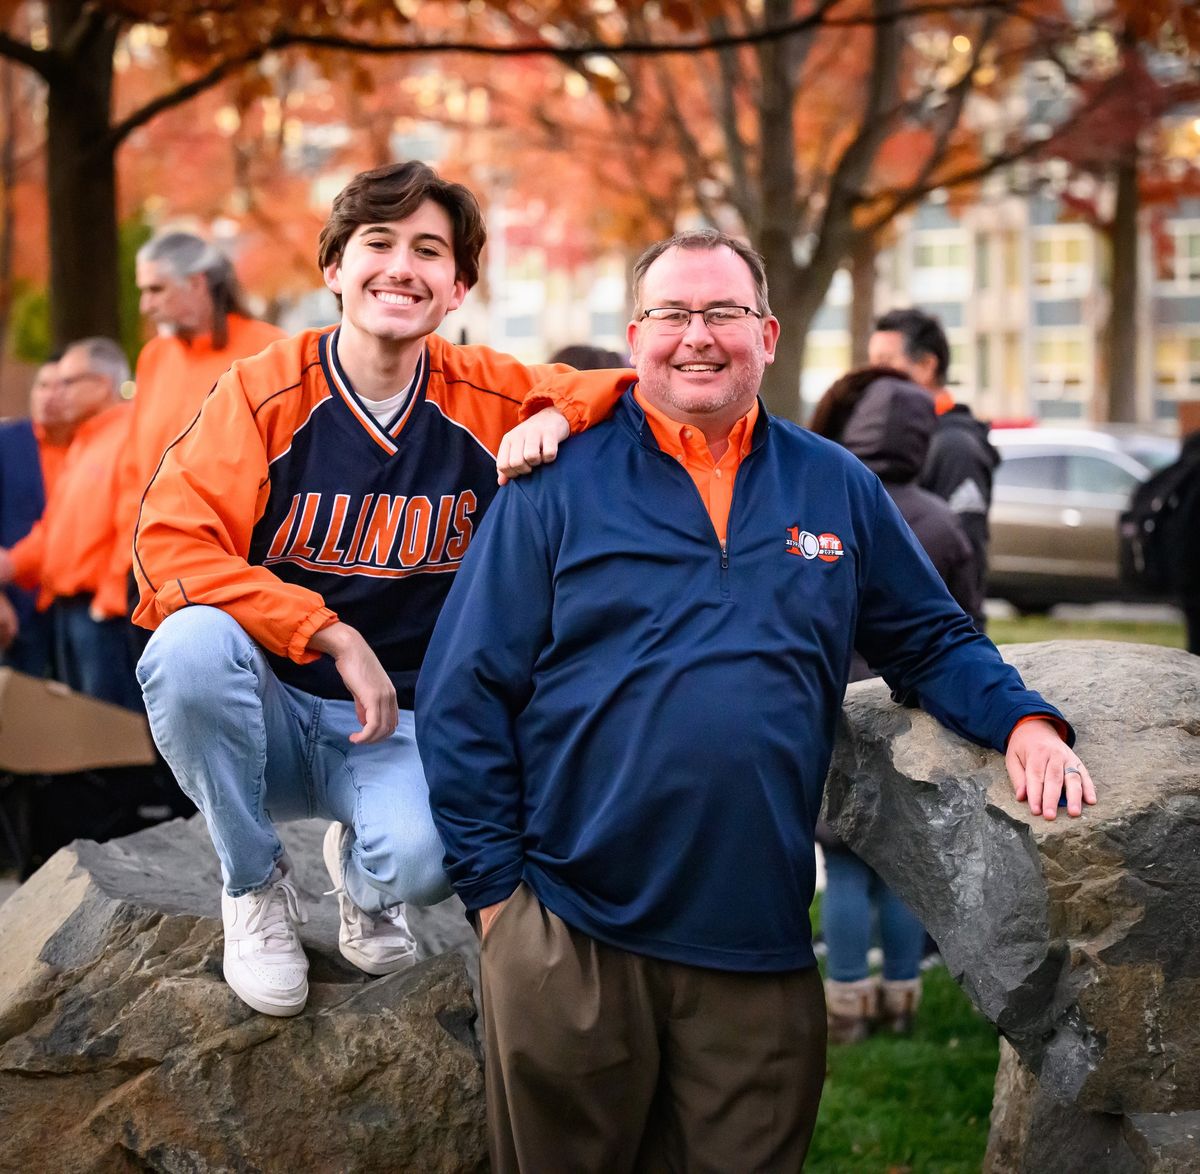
x=297, y=649
x=1060, y=726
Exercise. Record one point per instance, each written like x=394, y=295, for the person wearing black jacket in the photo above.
x=960, y=462
x=887, y=422
x=1181, y=534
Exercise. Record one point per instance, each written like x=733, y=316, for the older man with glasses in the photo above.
x=626, y=715
x=68, y=555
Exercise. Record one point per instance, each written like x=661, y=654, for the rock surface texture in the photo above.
x=1079, y=939
x=121, y=1047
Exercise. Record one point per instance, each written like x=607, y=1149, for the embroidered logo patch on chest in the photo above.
x=826, y=547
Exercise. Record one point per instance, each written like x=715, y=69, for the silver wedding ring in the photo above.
x=1072, y=770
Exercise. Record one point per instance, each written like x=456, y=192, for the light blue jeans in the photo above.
x=248, y=750
x=852, y=889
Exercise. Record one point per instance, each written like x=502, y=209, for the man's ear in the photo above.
x=631, y=337
x=770, y=333
x=333, y=276
x=458, y=296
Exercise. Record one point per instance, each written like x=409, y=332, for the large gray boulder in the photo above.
x=121, y=1047
x=1079, y=939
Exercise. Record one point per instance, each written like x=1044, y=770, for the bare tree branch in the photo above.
x=42, y=61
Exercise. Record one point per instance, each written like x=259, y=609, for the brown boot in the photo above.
x=898, y=1005
x=851, y=1007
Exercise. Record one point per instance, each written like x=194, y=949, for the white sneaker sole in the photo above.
x=282, y=1006
x=374, y=966
x=331, y=852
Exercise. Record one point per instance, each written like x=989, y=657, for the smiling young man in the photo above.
x=293, y=551
x=627, y=767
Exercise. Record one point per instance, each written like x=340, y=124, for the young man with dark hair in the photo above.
x=960, y=462
x=293, y=552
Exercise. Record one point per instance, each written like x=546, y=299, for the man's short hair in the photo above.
x=104, y=357
x=183, y=254
x=395, y=192
x=923, y=335
x=703, y=238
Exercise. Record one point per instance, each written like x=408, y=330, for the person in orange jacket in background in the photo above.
x=68, y=555
x=190, y=293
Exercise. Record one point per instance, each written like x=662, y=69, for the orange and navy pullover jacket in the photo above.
x=288, y=506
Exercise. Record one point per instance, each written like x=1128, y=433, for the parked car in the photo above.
x=1057, y=496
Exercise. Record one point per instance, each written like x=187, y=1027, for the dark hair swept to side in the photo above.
x=395, y=192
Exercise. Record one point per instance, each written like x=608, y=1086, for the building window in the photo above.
x=983, y=362
x=1183, y=261
x=983, y=268
x=1010, y=248
x=941, y=266
x=1177, y=368
x=944, y=254
x=1061, y=378
x=1061, y=262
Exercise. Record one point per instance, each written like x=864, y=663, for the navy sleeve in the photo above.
x=476, y=678
x=920, y=641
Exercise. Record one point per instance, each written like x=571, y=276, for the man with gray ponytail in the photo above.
x=190, y=293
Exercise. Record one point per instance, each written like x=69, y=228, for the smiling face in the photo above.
x=397, y=279
x=704, y=377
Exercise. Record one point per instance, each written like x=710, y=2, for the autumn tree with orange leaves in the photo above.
x=1138, y=72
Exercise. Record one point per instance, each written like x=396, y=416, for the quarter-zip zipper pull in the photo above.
x=724, y=556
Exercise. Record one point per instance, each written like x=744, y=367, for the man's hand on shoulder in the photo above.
x=370, y=686
x=1040, y=764
x=532, y=443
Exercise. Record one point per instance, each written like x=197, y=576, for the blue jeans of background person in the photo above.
x=248, y=750
x=852, y=890
x=32, y=649
x=92, y=656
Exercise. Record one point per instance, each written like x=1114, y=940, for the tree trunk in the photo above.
x=862, y=297
x=8, y=178
x=796, y=296
x=82, y=182
x=1121, y=340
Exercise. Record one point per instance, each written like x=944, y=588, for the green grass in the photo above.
x=1029, y=629
x=920, y=1105
x=911, y=1106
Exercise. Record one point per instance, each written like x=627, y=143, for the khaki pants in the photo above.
x=600, y=1061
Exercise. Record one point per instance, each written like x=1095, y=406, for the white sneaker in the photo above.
x=379, y=944
x=264, y=961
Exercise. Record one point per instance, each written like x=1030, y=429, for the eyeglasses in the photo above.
x=675, y=319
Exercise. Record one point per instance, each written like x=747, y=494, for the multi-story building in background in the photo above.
x=1022, y=294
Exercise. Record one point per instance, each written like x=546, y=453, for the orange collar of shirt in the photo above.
x=713, y=478
x=943, y=401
